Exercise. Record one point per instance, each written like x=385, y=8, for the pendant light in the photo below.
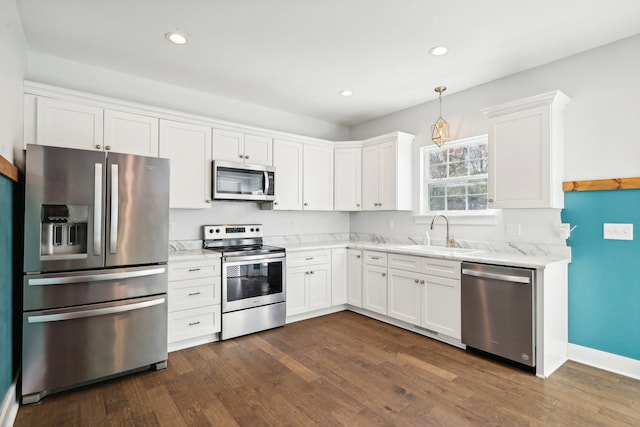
x=440, y=129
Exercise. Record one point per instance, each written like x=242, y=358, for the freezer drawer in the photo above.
x=53, y=290
x=69, y=347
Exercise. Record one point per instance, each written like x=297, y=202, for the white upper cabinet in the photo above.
x=130, y=133
x=317, y=193
x=526, y=152
x=64, y=124
x=242, y=148
x=188, y=147
x=386, y=172
x=347, y=178
x=304, y=176
x=287, y=159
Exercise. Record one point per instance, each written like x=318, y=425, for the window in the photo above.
x=454, y=178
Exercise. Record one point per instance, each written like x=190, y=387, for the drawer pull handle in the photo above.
x=375, y=257
x=194, y=323
x=309, y=258
x=194, y=269
x=192, y=294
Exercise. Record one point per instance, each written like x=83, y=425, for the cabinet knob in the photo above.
x=208, y=201
x=312, y=272
x=384, y=274
x=358, y=256
x=357, y=205
x=306, y=204
x=98, y=147
x=246, y=157
x=416, y=280
x=108, y=147
x=241, y=156
x=422, y=282
x=275, y=203
x=490, y=200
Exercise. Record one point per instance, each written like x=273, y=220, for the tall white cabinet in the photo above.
x=526, y=152
x=188, y=146
x=348, y=177
x=386, y=172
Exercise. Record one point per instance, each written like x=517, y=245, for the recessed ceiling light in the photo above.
x=346, y=92
x=176, y=37
x=438, y=51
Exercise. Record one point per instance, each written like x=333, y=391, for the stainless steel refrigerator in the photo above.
x=95, y=267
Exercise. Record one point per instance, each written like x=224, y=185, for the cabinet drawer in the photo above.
x=441, y=268
x=194, y=269
x=405, y=262
x=193, y=293
x=300, y=259
x=375, y=258
x=194, y=323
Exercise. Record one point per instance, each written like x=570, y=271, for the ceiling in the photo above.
x=297, y=55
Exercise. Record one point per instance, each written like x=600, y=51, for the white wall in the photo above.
x=101, y=81
x=601, y=132
x=13, y=61
x=188, y=223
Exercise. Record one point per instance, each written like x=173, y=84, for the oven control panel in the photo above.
x=232, y=231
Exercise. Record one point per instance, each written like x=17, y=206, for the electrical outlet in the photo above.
x=390, y=224
x=172, y=227
x=513, y=229
x=618, y=231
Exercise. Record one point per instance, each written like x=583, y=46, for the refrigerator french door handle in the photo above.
x=113, y=239
x=88, y=278
x=97, y=209
x=45, y=318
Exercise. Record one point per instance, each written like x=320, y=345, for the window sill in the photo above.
x=488, y=217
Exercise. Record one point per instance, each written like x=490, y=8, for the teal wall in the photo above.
x=6, y=285
x=604, y=275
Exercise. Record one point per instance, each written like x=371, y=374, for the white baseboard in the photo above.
x=9, y=408
x=603, y=360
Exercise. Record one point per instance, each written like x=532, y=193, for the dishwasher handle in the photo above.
x=496, y=276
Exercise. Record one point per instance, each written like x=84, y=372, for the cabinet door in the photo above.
x=258, y=150
x=354, y=280
x=319, y=283
x=519, y=159
x=130, y=133
x=189, y=149
x=370, y=182
x=387, y=180
x=374, y=288
x=339, y=276
x=69, y=125
x=405, y=295
x=287, y=159
x=442, y=306
x=297, y=292
x=228, y=145
x=318, y=178
x=348, y=179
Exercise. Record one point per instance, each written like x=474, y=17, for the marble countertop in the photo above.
x=193, y=254
x=481, y=256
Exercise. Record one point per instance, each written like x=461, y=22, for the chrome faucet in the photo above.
x=450, y=240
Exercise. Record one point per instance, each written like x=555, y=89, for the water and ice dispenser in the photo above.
x=64, y=231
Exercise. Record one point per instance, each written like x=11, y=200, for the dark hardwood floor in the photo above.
x=342, y=369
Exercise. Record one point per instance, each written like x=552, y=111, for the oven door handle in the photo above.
x=261, y=257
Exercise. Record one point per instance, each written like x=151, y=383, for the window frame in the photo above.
x=484, y=216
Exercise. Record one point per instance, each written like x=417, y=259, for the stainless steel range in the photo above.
x=253, y=279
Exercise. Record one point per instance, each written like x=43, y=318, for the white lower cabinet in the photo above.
x=426, y=292
x=354, y=277
x=374, y=282
x=194, y=311
x=308, y=281
x=405, y=294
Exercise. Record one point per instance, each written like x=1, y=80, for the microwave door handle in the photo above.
x=266, y=183
x=113, y=239
x=97, y=209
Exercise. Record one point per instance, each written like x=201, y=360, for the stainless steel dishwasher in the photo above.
x=498, y=311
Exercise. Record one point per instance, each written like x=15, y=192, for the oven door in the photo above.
x=252, y=281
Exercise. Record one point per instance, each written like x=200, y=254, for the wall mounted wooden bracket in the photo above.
x=601, y=184
x=8, y=169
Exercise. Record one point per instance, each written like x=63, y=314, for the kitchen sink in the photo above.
x=439, y=250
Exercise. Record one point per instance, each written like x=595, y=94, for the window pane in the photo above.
x=478, y=187
x=458, y=154
x=456, y=203
x=437, y=203
x=458, y=169
x=438, y=171
x=457, y=189
x=436, y=190
x=437, y=157
x=477, y=202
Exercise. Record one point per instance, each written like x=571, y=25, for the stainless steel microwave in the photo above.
x=237, y=181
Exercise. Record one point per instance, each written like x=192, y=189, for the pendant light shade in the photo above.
x=440, y=129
